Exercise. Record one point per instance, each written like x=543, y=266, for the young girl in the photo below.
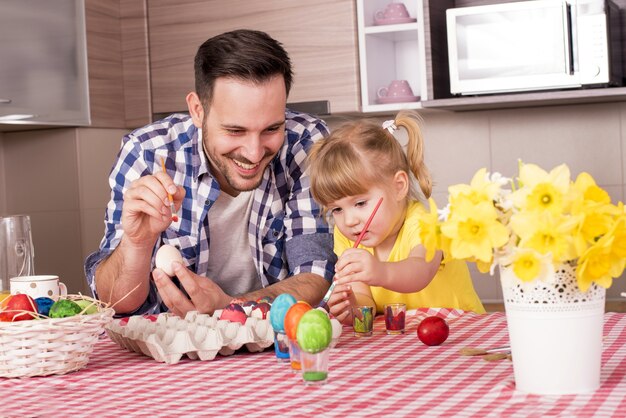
x=351, y=170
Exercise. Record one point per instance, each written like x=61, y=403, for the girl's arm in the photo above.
x=410, y=275
x=407, y=276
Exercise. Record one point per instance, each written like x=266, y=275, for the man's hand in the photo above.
x=145, y=211
x=204, y=295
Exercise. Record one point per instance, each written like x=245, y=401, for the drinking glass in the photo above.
x=17, y=256
x=395, y=316
x=314, y=367
x=363, y=320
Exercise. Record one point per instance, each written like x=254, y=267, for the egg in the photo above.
x=292, y=317
x=234, y=313
x=164, y=258
x=87, y=307
x=260, y=311
x=314, y=332
x=279, y=309
x=63, y=308
x=44, y=304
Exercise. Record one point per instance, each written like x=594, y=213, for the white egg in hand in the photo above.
x=164, y=257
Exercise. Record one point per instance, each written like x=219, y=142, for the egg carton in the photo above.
x=166, y=337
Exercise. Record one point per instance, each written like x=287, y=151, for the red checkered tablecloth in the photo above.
x=382, y=375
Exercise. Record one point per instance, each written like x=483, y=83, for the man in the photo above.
x=235, y=168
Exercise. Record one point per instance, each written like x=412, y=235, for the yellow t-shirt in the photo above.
x=450, y=288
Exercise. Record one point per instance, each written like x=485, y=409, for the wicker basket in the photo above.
x=49, y=346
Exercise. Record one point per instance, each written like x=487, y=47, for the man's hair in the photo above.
x=243, y=54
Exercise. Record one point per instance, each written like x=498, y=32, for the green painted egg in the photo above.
x=90, y=306
x=314, y=332
x=63, y=308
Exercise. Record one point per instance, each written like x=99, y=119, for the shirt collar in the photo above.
x=202, y=166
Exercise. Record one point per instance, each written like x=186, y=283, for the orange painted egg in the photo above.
x=292, y=317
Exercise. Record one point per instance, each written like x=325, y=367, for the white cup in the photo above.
x=38, y=286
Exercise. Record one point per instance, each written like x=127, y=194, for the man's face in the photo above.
x=243, y=130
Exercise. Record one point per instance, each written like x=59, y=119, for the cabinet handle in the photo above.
x=7, y=101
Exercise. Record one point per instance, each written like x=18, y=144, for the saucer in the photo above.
x=394, y=20
x=399, y=99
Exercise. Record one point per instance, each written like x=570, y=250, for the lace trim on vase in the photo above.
x=559, y=293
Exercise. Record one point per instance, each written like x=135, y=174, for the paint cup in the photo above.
x=363, y=320
x=38, y=286
x=395, y=314
x=315, y=367
x=281, y=347
x=294, y=356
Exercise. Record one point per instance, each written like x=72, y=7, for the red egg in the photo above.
x=14, y=307
x=260, y=310
x=292, y=317
x=433, y=330
x=234, y=313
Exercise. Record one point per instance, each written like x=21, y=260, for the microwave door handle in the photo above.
x=569, y=38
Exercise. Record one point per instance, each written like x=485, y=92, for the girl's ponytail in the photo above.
x=415, y=149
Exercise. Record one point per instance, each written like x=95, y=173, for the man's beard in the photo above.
x=223, y=167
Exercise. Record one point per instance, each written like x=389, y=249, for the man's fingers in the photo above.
x=136, y=206
x=187, y=280
x=171, y=295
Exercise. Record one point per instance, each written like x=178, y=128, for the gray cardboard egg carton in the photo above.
x=198, y=336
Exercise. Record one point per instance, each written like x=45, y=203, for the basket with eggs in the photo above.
x=42, y=336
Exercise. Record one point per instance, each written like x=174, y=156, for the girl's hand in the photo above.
x=358, y=265
x=340, y=303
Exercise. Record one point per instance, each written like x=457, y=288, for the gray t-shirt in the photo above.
x=230, y=259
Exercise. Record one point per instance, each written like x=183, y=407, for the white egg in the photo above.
x=336, y=327
x=164, y=257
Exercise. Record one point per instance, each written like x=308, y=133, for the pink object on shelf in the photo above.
x=393, y=20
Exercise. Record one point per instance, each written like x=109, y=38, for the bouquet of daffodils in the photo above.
x=531, y=224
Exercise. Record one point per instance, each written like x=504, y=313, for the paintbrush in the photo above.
x=326, y=297
x=169, y=196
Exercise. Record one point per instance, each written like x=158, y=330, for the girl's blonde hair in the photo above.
x=362, y=153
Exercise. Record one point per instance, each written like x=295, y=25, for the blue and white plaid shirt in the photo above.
x=286, y=232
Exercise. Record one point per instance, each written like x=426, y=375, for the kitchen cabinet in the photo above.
x=43, y=76
x=319, y=35
x=391, y=52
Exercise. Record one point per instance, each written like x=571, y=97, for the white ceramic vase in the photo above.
x=555, y=332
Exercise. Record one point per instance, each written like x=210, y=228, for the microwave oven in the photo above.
x=534, y=45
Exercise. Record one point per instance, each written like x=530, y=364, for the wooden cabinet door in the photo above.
x=319, y=35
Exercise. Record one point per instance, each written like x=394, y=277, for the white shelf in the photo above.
x=391, y=107
x=390, y=52
x=391, y=28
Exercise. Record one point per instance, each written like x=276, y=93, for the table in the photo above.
x=383, y=375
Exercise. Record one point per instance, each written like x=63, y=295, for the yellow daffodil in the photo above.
x=529, y=265
x=532, y=227
x=480, y=189
x=546, y=233
x=599, y=264
x=474, y=231
x=541, y=190
x=429, y=231
x=590, y=190
x=619, y=237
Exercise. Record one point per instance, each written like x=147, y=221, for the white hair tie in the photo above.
x=390, y=125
